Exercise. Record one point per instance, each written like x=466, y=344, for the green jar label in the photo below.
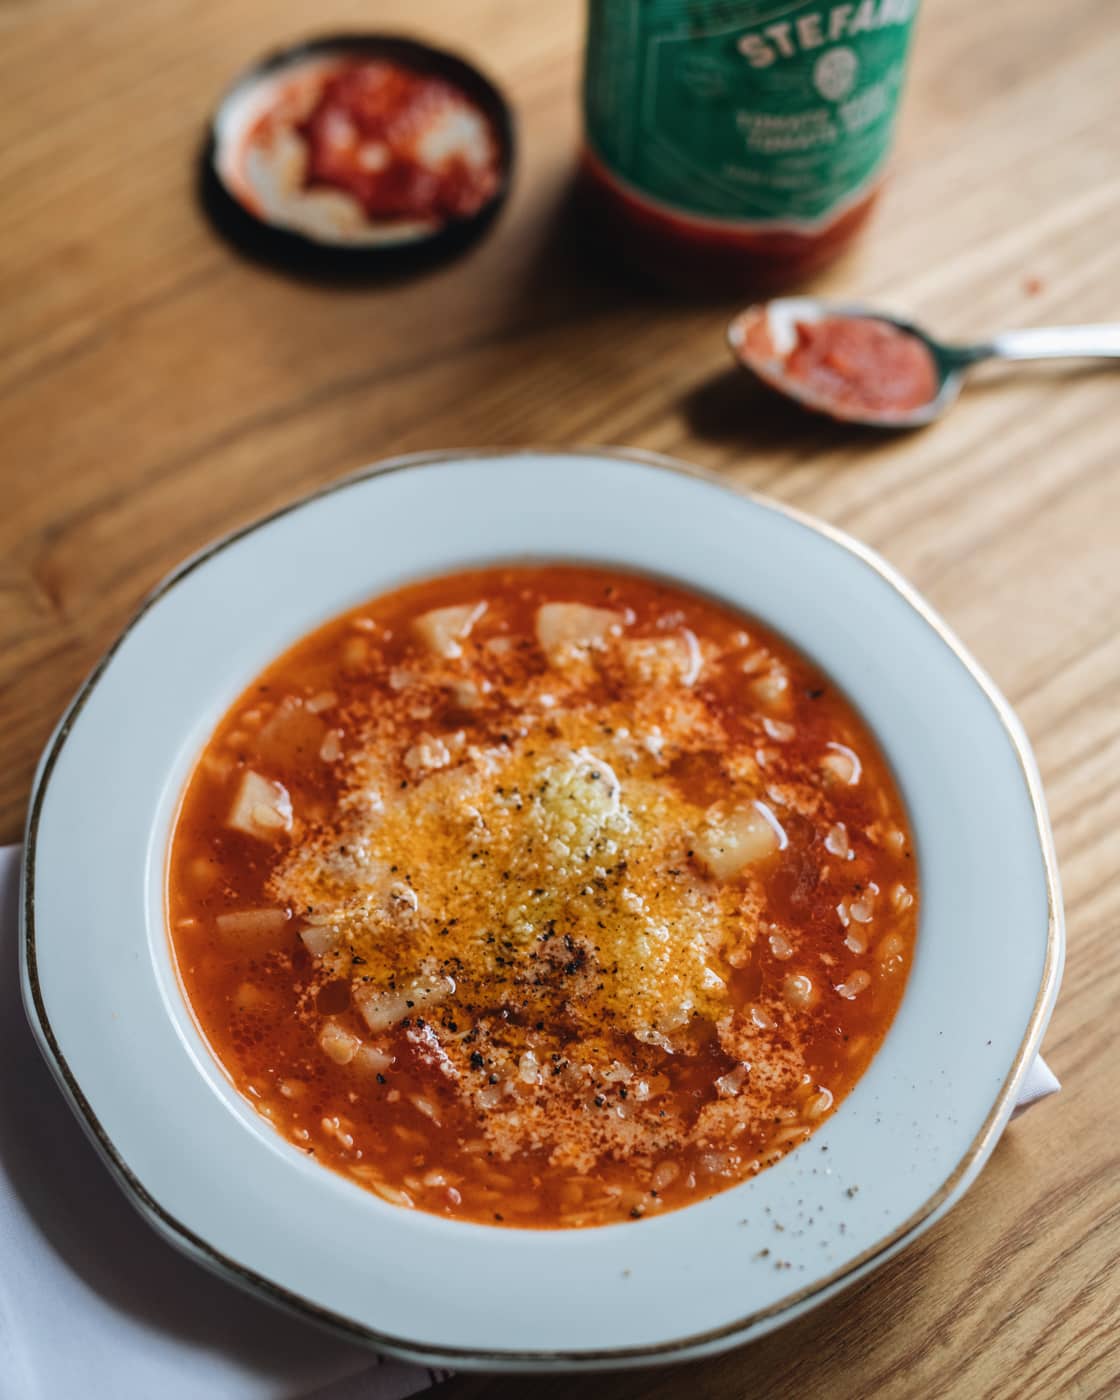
x=755, y=111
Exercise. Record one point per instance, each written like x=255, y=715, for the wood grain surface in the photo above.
x=155, y=391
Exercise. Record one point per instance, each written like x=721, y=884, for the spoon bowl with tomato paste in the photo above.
x=861, y=366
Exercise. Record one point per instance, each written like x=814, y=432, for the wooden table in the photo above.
x=155, y=391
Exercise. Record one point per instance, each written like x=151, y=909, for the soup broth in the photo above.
x=543, y=896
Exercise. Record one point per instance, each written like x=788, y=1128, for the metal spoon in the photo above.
x=784, y=315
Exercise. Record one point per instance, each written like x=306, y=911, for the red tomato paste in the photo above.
x=862, y=364
x=366, y=135
x=846, y=363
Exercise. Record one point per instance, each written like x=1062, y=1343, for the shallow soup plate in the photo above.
x=209, y=1173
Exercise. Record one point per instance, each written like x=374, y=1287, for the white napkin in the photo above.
x=1040, y=1083
x=94, y=1303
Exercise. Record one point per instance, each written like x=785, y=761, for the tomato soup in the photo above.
x=543, y=896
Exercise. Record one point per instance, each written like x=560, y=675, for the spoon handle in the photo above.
x=1052, y=342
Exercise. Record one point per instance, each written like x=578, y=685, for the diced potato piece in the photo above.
x=382, y=1010
x=857, y=982
x=674, y=660
x=891, y=952
x=250, y=1000
x=468, y=694
x=203, y=872
x=729, y=1084
x=799, y=991
x=563, y=627
x=842, y=764
x=253, y=928
x=836, y=843
x=355, y=654
x=373, y=1060
x=442, y=629
x=261, y=807
x=731, y=840
x=217, y=765
x=292, y=730
x=320, y=939
x=337, y=1043
x=772, y=689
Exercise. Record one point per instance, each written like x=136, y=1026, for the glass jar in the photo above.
x=732, y=145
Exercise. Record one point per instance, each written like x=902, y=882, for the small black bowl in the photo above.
x=305, y=254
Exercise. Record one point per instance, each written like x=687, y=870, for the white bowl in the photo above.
x=210, y=1174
